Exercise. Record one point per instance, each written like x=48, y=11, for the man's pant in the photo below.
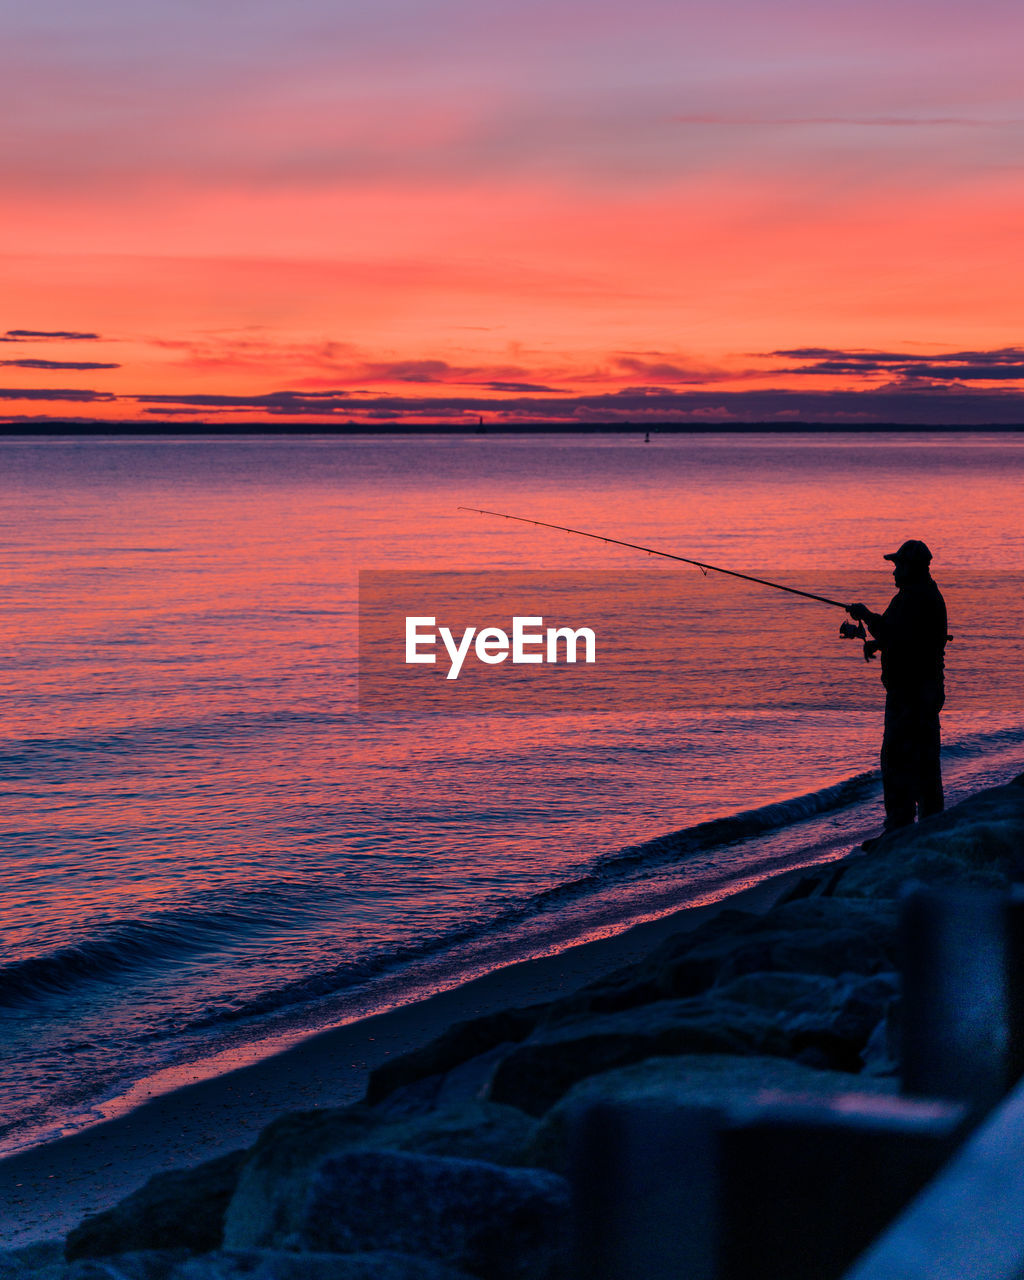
x=911, y=772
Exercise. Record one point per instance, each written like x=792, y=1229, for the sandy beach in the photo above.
x=46, y=1191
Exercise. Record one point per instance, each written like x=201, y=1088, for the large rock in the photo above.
x=181, y=1209
x=274, y=1183
x=538, y=1072
x=643, y=982
x=499, y=1224
x=818, y=935
x=461, y=1041
x=465, y=1083
x=887, y=871
x=261, y=1265
x=830, y=1020
x=146, y=1265
x=712, y=1080
x=43, y=1261
x=979, y=843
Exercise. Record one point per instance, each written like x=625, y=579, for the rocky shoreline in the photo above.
x=454, y=1165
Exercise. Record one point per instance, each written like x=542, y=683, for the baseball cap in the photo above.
x=911, y=551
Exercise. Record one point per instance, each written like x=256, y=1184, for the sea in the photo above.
x=211, y=846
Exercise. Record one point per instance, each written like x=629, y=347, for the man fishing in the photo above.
x=911, y=637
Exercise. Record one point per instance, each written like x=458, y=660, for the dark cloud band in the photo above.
x=1006, y=364
x=63, y=335
x=56, y=393
x=894, y=407
x=56, y=364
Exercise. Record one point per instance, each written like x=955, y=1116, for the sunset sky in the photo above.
x=550, y=210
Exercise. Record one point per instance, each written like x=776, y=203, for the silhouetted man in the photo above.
x=911, y=637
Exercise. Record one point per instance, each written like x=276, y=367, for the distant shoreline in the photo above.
x=12, y=429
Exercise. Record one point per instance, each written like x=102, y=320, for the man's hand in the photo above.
x=858, y=612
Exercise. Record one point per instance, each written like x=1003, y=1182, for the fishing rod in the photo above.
x=702, y=565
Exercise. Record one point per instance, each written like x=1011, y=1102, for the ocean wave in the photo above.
x=131, y=947
x=126, y=948
x=983, y=742
x=94, y=754
x=621, y=865
x=748, y=823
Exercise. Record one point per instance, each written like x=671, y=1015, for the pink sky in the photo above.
x=573, y=210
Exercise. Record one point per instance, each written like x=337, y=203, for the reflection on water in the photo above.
x=200, y=828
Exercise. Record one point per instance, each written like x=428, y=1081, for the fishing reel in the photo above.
x=855, y=631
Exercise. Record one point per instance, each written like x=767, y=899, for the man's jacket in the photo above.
x=911, y=635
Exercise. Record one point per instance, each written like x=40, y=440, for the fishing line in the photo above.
x=702, y=565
